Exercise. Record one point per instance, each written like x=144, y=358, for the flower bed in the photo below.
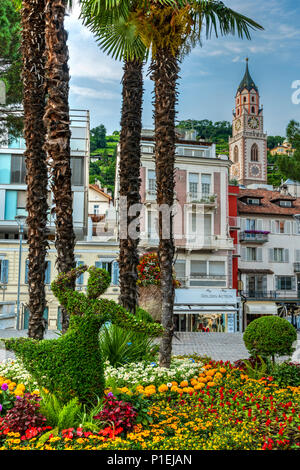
x=194, y=406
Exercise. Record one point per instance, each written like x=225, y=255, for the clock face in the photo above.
x=253, y=122
x=238, y=125
x=254, y=170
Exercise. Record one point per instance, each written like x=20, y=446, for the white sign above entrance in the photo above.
x=205, y=297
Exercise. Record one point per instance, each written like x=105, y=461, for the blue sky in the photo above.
x=210, y=75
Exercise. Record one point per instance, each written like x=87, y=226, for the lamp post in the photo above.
x=20, y=219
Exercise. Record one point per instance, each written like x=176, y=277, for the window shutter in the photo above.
x=4, y=271
x=243, y=225
x=48, y=272
x=259, y=224
x=26, y=271
x=287, y=227
x=297, y=256
x=115, y=273
x=271, y=255
x=276, y=283
x=265, y=284
x=99, y=264
x=273, y=227
x=293, y=283
x=79, y=280
x=286, y=255
x=259, y=254
x=243, y=253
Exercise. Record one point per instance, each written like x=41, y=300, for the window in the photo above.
x=79, y=280
x=18, y=169
x=285, y=203
x=236, y=154
x=77, y=171
x=96, y=209
x=253, y=201
x=180, y=269
x=253, y=99
x=250, y=224
x=151, y=182
x=217, y=268
x=254, y=153
x=112, y=267
x=251, y=254
x=245, y=99
x=285, y=283
x=208, y=273
x=193, y=184
x=21, y=203
x=205, y=184
x=3, y=271
x=279, y=255
x=253, y=109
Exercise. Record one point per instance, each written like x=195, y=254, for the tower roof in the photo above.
x=247, y=81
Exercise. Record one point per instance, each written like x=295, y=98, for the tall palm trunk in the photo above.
x=33, y=48
x=130, y=158
x=57, y=121
x=165, y=74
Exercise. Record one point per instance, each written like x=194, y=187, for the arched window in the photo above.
x=253, y=99
x=253, y=109
x=245, y=99
x=236, y=154
x=254, y=153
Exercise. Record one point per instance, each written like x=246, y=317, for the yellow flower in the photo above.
x=199, y=386
x=184, y=383
x=211, y=384
x=163, y=388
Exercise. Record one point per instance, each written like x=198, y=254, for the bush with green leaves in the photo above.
x=121, y=346
x=72, y=365
x=59, y=415
x=287, y=374
x=269, y=337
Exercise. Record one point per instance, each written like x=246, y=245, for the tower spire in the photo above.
x=247, y=82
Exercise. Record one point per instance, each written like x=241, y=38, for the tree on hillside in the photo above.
x=10, y=69
x=290, y=166
x=274, y=141
x=220, y=130
x=98, y=138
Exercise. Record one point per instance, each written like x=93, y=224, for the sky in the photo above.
x=209, y=75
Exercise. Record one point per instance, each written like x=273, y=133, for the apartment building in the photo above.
x=269, y=266
x=204, y=248
x=13, y=185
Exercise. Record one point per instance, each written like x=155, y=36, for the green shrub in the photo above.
x=287, y=374
x=270, y=336
x=72, y=365
x=59, y=415
x=121, y=346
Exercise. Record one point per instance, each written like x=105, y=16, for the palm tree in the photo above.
x=107, y=22
x=33, y=49
x=171, y=31
x=57, y=146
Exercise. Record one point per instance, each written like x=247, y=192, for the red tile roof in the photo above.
x=96, y=188
x=268, y=204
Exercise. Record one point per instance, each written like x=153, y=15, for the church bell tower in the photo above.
x=248, y=144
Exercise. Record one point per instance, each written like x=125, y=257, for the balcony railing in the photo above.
x=296, y=267
x=274, y=294
x=254, y=236
x=202, y=198
x=150, y=195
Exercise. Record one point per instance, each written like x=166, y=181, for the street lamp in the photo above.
x=20, y=219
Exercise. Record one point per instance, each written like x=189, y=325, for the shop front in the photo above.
x=207, y=310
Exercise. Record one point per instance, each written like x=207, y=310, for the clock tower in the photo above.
x=248, y=144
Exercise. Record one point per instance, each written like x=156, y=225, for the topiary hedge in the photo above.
x=270, y=336
x=72, y=365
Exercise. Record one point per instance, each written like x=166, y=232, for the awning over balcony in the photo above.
x=255, y=271
x=261, y=308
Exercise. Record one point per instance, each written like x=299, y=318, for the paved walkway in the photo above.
x=225, y=346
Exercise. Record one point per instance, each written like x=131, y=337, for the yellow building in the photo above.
x=99, y=254
x=284, y=149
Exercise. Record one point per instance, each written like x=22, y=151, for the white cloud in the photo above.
x=94, y=94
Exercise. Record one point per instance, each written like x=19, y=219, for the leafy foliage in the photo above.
x=58, y=414
x=25, y=414
x=149, y=272
x=287, y=374
x=218, y=132
x=72, y=365
x=117, y=413
x=98, y=137
x=270, y=336
x=290, y=166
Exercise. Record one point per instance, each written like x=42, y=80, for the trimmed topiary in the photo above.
x=72, y=365
x=270, y=336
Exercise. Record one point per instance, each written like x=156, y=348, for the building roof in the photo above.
x=247, y=81
x=268, y=204
x=96, y=188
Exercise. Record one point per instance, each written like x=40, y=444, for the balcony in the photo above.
x=196, y=241
x=150, y=195
x=208, y=280
x=296, y=267
x=206, y=199
x=254, y=236
x=275, y=294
